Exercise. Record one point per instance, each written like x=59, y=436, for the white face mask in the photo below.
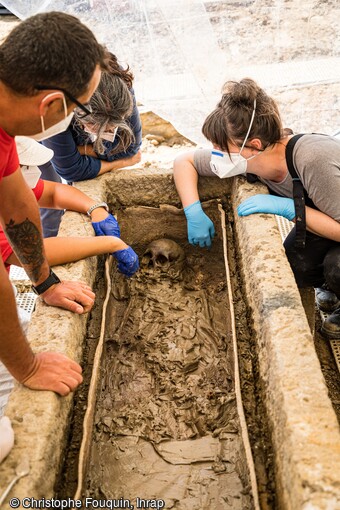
x=106, y=135
x=109, y=136
x=57, y=128
x=31, y=175
x=225, y=165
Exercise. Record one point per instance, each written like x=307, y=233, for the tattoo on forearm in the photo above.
x=27, y=243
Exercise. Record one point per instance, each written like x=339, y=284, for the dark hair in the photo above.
x=112, y=104
x=115, y=68
x=230, y=120
x=51, y=48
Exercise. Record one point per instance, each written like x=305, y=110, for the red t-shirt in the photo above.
x=5, y=248
x=9, y=161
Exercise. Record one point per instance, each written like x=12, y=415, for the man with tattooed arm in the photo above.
x=41, y=82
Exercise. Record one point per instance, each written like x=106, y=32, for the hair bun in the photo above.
x=242, y=92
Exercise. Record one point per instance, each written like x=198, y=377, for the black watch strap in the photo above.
x=52, y=279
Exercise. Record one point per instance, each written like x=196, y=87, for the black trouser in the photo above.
x=317, y=263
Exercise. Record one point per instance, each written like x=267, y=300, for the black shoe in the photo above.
x=326, y=300
x=331, y=326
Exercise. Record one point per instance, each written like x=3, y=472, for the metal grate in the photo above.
x=17, y=273
x=285, y=226
x=26, y=300
x=335, y=345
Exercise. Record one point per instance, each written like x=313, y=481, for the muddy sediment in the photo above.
x=166, y=424
x=142, y=439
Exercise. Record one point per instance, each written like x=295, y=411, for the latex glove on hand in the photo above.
x=200, y=227
x=107, y=227
x=6, y=437
x=268, y=204
x=128, y=262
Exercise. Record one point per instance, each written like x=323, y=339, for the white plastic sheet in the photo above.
x=182, y=51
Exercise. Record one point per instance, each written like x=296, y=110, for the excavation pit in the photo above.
x=166, y=422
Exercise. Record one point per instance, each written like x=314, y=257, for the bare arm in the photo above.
x=15, y=351
x=87, y=150
x=322, y=224
x=186, y=178
x=44, y=371
x=200, y=228
x=63, y=196
x=61, y=250
x=19, y=215
x=107, y=166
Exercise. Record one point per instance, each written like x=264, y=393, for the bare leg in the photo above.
x=60, y=250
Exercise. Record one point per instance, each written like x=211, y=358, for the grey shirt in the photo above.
x=317, y=162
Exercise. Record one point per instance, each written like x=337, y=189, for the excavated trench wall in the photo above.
x=305, y=433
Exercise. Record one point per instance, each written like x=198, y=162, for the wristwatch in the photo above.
x=52, y=279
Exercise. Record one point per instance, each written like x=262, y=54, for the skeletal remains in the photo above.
x=163, y=255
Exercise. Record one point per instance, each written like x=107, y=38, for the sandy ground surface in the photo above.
x=261, y=32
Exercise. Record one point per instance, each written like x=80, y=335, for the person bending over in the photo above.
x=60, y=250
x=108, y=137
x=247, y=135
x=40, y=84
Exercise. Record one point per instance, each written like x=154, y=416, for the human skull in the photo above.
x=164, y=255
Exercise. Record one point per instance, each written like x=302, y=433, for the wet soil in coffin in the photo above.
x=166, y=423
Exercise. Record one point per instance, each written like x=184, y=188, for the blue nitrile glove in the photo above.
x=268, y=204
x=107, y=227
x=200, y=227
x=127, y=259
